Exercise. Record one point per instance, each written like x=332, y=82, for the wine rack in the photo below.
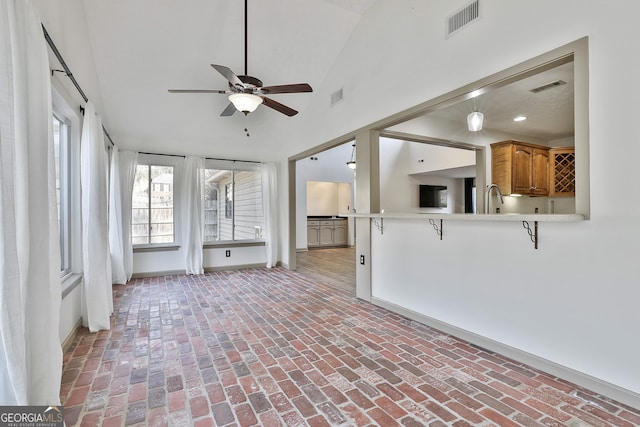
x=563, y=172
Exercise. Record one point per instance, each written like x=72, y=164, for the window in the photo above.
x=61, y=142
x=228, y=201
x=152, y=219
x=243, y=217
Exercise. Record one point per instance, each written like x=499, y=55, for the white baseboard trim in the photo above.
x=157, y=274
x=66, y=344
x=233, y=267
x=605, y=388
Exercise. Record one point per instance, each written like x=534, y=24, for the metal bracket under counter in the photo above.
x=437, y=220
x=533, y=235
x=379, y=225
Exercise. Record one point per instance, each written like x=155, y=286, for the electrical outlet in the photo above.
x=362, y=259
x=227, y=253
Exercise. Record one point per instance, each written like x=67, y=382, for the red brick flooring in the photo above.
x=270, y=347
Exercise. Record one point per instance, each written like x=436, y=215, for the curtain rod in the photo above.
x=68, y=73
x=206, y=158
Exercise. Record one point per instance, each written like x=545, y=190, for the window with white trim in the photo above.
x=62, y=151
x=152, y=216
x=232, y=201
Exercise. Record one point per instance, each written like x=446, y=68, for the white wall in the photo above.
x=399, y=187
x=572, y=302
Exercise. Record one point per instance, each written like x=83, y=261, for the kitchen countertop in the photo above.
x=472, y=217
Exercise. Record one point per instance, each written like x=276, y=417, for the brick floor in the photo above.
x=270, y=347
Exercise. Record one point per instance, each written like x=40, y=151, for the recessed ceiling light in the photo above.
x=520, y=119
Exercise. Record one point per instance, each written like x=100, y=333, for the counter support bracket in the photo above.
x=533, y=234
x=379, y=225
x=435, y=226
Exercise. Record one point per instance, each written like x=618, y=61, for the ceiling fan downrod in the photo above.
x=245, y=38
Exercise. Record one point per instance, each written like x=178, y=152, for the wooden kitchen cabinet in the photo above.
x=562, y=171
x=520, y=168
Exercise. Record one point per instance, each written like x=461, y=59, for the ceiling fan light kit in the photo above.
x=245, y=92
x=245, y=102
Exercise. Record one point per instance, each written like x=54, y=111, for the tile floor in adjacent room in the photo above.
x=272, y=347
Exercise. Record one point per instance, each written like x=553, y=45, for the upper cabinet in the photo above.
x=520, y=168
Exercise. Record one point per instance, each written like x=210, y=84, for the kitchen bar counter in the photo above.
x=472, y=217
x=437, y=220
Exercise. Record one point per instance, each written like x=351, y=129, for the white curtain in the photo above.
x=192, y=214
x=98, y=299
x=270, y=207
x=30, y=292
x=123, y=171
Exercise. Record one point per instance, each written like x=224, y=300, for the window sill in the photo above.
x=233, y=244
x=69, y=283
x=155, y=248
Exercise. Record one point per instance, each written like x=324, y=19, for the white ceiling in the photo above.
x=549, y=113
x=142, y=48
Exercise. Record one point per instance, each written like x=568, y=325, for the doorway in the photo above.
x=325, y=189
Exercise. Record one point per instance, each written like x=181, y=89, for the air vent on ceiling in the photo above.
x=548, y=86
x=336, y=97
x=463, y=17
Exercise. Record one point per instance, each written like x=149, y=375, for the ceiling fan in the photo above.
x=245, y=92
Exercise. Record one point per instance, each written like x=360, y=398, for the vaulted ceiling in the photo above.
x=142, y=48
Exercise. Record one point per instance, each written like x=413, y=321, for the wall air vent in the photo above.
x=548, y=86
x=336, y=97
x=463, y=17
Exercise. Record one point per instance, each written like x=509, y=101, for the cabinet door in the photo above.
x=340, y=233
x=313, y=236
x=540, y=172
x=521, y=180
x=326, y=235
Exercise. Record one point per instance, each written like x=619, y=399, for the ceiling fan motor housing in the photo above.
x=251, y=82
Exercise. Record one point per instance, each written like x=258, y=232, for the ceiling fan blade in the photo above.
x=198, y=91
x=229, y=75
x=295, y=88
x=229, y=110
x=278, y=107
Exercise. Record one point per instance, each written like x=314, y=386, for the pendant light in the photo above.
x=352, y=163
x=474, y=121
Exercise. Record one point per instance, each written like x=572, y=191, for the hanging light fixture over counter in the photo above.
x=352, y=163
x=474, y=121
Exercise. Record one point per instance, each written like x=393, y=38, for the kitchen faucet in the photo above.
x=488, y=195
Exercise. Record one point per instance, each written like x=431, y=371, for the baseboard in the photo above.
x=233, y=267
x=68, y=342
x=157, y=274
x=605, y=388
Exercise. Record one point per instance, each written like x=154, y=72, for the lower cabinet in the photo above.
x=340, y=237
x=327, y=232
x=313, y=233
